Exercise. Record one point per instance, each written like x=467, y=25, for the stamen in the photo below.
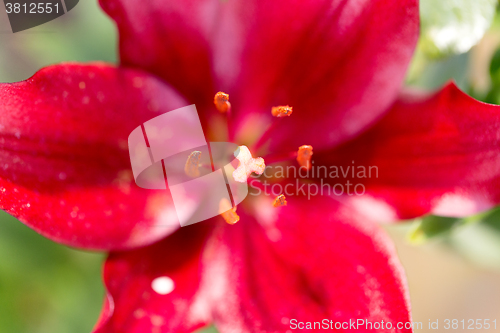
x=228, y=212
x=247, y=165
x=278, y=112
x=221, y=101
x=279, y=201
x=191, y=168
x=282, y=111
x=304, y=156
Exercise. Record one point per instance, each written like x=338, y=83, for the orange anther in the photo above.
x=304, y=156
x=228, y=212
x=282, y=111
x=192, y=166
x=279, y=201
x=221, y=101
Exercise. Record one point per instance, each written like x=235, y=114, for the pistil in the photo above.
x=247, y=165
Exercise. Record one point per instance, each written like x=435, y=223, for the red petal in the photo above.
x=339, y=63
x=435, y=153
x=137, y=307
x=316, y=260
x=64, y=162
x=169, y=39
x=322, y=262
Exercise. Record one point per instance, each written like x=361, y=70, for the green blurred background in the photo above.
x=453, y=265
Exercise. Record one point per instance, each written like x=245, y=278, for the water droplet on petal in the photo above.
x=163, y=285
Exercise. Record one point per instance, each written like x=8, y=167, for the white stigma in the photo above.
x=248, y=164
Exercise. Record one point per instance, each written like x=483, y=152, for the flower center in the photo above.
x=247, y=163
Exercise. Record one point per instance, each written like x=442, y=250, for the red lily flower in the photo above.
x=65, y=170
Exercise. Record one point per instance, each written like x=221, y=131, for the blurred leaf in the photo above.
x=210, y=329
x=83, y=34
x=493, y=95
x=495, y=63
x=453, y=26
x=478, y=242
x=432, y=74
x=479, y=238
x=46, y=287
x=492, y=219
x=432, y=226
x=476, y=237
x=432, y=67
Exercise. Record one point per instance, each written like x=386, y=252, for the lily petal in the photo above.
x=317, y=260
x=64, y=162
x=339, y=63
x=156, y=288
x=321, y=262
x=169, y=39
x=434, y=153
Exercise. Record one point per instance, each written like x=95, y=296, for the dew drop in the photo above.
x=163, y=285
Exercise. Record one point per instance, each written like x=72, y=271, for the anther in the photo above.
x=304, y=155
x=221, y=101
x=279, y=201
x=228, y=212
x=192, y=166
x=247, y=165
x=281, y=111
